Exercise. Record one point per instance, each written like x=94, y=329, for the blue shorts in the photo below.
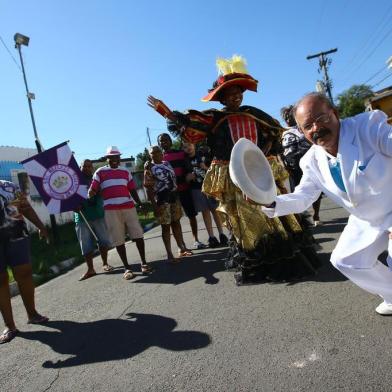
x=202, y=202
x=86, y=239
x=14, y=253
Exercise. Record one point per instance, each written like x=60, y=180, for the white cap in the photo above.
x=112, y=150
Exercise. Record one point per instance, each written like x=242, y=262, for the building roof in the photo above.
x=380, y=94
x=16, y=154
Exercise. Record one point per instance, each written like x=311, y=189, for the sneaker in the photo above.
x=384, y=309
x=213, y=242
x=223, y=239
x=198, y=245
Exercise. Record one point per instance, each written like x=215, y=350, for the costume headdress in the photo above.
x=232, y=72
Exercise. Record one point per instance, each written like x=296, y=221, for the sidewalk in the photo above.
x=188, y=327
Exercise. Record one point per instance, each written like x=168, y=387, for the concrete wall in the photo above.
x=43, y=214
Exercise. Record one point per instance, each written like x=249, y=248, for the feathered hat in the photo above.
x=232, y=72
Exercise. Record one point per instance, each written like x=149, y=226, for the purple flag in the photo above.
x=58, y=179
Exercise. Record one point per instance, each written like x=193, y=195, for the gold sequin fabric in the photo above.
x=248, y=224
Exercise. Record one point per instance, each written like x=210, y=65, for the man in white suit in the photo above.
x=351, y=162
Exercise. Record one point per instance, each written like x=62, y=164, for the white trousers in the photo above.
x=362, y=266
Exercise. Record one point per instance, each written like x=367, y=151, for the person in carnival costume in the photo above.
x=262, y=248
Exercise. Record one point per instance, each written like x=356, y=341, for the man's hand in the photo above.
x=272, y=205
x=140, y=207
x=91, y=193
x=190, y=177
x=157, y=210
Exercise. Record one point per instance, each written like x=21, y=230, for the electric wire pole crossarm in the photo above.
x=324, y=62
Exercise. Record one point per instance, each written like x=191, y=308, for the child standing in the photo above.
x=160, y=182
x=204, y=204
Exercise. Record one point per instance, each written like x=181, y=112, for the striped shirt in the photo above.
x=180, y=163
x=115, y=186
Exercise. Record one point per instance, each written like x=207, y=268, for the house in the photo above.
x=382, y=100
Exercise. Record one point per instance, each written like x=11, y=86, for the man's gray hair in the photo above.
x=320, y=96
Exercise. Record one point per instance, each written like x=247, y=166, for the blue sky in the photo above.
x=92, y=64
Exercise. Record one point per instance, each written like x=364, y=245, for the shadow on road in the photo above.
x=114, y=339
x=200, y=265
x=332, y=226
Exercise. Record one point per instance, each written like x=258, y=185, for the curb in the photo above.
x=150, y=226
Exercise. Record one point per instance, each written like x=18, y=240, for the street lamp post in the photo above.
x=20, y=40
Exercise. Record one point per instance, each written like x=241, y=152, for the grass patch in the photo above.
x=147, y=218
x=46, y=255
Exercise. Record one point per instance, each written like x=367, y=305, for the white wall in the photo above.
x=43, y=214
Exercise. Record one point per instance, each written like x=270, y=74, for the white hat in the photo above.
x=112, y=150
x=250, y=171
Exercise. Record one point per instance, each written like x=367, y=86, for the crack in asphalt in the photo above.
x=54, y=380
x=137, y=298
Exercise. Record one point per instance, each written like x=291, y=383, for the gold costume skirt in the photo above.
x=245, y=220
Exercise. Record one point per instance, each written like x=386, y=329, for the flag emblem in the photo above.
x=57, y=177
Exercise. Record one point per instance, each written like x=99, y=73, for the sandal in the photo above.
x=185, y=253
x=128, y=275
x=88, y=274
x=146, y=269
x=8, y=335
x=38, y=319
x=107, y=268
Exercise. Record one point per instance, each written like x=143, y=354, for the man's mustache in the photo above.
x=320, y=134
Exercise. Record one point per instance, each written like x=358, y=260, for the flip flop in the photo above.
x=107, y=268
x=8, y=335
x=38, y=320
x=128, y=275
x=87, y=275
x=146, y=269
x=185, y=253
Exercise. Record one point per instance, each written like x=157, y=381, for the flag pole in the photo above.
x=88, y=225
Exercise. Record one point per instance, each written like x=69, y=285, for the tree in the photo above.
x=352, y=101
x=141, y=159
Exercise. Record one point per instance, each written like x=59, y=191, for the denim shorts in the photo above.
x=14, y=253
x=87, y=241
x=202, y=202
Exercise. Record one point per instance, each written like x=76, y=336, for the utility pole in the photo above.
x=324, y=63
x=20, y=40
x=148, y=135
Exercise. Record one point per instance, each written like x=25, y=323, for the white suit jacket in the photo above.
x=365, y=154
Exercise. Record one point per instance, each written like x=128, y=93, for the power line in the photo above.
x=377, y=73
x=362, y=48
x=9, y=52
x=386, y=77
x=368, y=56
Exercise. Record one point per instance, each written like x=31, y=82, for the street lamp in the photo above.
x=20, y=40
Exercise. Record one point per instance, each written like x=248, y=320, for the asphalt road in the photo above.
x=188, y=327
